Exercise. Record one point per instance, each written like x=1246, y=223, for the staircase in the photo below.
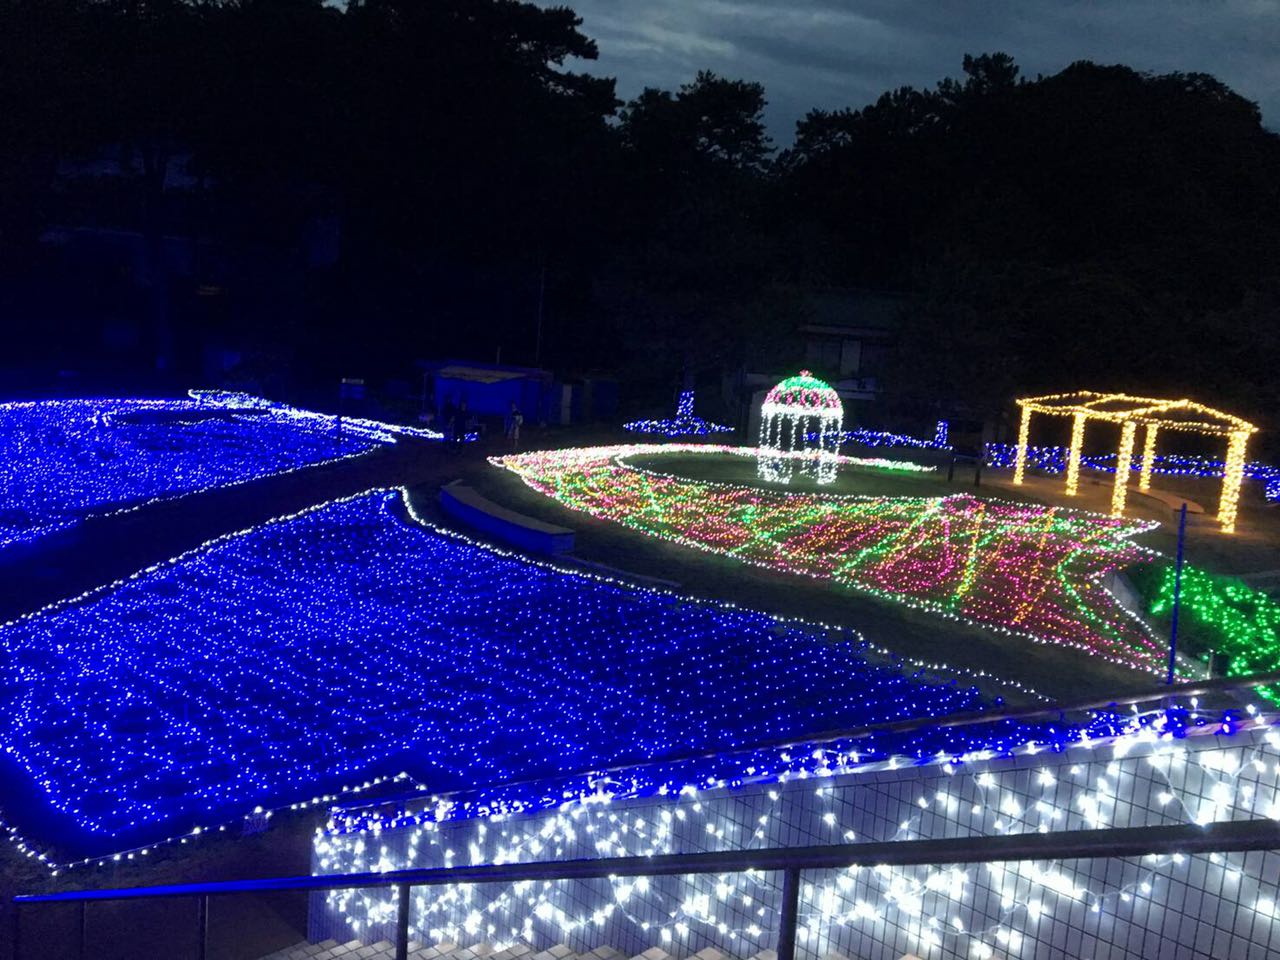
x=383, y=950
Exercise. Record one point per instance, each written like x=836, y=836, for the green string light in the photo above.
x=1246, y=620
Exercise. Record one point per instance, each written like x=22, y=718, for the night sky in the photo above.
x=838, y=53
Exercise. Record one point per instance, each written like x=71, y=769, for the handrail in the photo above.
x=1194, y=688
x=1225, y=837
x=1233, y=836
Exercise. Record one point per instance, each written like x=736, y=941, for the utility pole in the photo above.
x=348, y=387
x=542, y=296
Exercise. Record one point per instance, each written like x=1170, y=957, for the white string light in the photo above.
x=1153, y=774
x=800, y=423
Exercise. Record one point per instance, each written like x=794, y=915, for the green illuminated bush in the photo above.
x=1245, y=621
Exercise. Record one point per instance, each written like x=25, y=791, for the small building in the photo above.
x=847, y=340
x=850, y=333
x=489, y=389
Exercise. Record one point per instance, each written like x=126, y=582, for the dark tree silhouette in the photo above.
x=696, y=257
x=1088, y=227
x=1098, y=226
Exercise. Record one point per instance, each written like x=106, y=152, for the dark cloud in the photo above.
x=838, y=53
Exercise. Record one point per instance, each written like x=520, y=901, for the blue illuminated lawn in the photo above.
x=61, y=460
x=349, y=641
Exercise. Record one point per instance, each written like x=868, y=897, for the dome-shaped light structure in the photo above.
x=800, y=425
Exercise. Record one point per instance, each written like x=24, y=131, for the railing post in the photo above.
x=1177, y=599
x=402, y=922
x=790, y=908
x=202, y=927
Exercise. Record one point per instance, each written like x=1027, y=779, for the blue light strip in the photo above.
x=886, y=438
x=1054, y=460
x=273, y=662
x=684, y=424
x=952, y=749
x=64, y=460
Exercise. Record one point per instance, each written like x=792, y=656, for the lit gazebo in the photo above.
x=800, y=423
x=1153, y=415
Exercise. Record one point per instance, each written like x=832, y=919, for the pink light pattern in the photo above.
x=1027, y=569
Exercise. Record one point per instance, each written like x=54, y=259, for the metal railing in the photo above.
x=1187, y=839
x=1239, y=836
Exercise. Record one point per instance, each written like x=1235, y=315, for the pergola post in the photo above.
x=1073, y=454
x=1232, y=477
x=1124, y=459
x=1024, y=434
x=1131, y=412
x=1148, y=456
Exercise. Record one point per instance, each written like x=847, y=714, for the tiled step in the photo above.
x=301, y=951
x=558, y=952
x=341, y=951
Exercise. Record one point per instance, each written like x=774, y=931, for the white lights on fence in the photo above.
x=1013, y=909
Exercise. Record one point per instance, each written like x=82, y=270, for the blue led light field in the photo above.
x=62, y=460
x=348, y=641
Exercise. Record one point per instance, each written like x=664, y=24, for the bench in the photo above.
x=1170, y=500
x=467, y=506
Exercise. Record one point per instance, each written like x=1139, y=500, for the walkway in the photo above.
x=102, y=550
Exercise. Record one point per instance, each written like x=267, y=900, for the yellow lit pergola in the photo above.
x=1153, y=415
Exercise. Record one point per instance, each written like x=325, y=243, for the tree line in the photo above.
x=1099, y=227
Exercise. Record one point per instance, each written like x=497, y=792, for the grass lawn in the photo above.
x=850, y=481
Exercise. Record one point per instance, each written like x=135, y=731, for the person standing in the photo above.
x=514, y=422
x=448, y=416
x=460, y=422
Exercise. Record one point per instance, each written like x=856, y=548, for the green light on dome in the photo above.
x=804, y=390
x=804, y=380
